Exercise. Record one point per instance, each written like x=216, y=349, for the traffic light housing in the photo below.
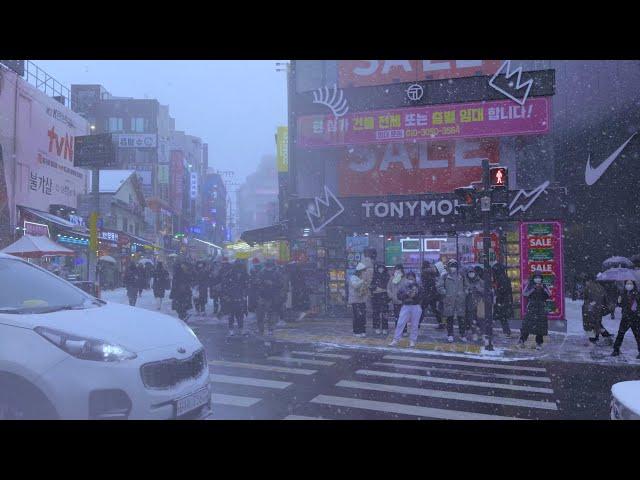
x=467, y=202
x=499, y=177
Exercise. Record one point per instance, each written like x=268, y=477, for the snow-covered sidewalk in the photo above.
x=572, y=346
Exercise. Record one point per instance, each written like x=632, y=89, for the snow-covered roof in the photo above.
x=112, y=180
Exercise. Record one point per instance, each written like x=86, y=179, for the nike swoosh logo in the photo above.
x=592, y=175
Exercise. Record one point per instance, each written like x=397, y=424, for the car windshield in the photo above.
x=27, y=289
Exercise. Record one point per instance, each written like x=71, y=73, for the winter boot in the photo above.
x=615, y=353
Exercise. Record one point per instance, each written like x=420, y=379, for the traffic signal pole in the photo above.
x=486, y=221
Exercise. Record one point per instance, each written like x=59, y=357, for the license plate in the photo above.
x=195, y=400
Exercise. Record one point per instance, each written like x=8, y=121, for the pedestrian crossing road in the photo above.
x=282, y=381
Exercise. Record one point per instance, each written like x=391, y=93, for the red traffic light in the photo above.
x=499, y=177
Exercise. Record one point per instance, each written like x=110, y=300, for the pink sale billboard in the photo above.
x=460, y=120
x=541, y=249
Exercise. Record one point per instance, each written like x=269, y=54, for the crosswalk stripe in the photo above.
x=268, y=368
x=301, y=361
x=301, y=417
x=233, y=400
x=252, y=382
x=469, y=364
x=389, y=407
x=326, y=355
x=454, y=381
x=468, y=397
x=531, y=378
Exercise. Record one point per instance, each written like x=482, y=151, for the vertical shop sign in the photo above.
x=541, y=249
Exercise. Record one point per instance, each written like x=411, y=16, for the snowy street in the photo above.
x=290, y=378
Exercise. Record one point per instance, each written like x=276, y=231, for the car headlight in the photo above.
x=86, y=348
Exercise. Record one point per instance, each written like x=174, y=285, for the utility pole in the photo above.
x=485, y=204
x=93, y=224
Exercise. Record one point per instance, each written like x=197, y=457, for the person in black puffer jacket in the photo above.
x=181, y=299
x=380, y=299
x=269, y=282
x=430, y=296
x=234, y=295
x=160, y=283
x=503, y=308
x=132, y=283
x=535, y=320
x=629, y=301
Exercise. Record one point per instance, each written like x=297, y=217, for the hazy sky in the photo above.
x=233, y=105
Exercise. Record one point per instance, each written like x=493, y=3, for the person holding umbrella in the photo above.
x=535, y=320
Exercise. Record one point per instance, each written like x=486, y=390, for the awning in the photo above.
x=36, y=247
x=266, y=234
x=48, y=217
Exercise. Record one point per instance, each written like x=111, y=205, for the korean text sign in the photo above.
x=541, y=249
x=424, y=123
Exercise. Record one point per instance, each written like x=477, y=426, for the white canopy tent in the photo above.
x=30, y=246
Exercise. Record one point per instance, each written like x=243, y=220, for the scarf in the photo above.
x=396, y=279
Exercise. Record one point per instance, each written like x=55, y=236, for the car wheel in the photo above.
x=21, y=401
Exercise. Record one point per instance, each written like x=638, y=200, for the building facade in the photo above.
x=377, y=148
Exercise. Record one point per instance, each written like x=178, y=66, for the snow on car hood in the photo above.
x=628, y=393
x=134, y=328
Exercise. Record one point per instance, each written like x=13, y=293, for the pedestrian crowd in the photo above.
x=231, y=288
x=454, y=296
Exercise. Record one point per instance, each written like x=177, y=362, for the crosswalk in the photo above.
x=335, y=385
x=243, y=384
x=423, y=386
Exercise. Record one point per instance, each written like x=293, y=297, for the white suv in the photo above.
x=67, y=355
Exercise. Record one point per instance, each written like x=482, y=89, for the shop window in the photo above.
x=138, y=124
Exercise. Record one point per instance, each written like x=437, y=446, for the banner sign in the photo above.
x=427, y=123
x=176, y=188
x=359, y=73
x=541, y=249
x=282, y=140
x=193, y=186
x=440, y=166
x=136, y=140
x=386, y=213
x=36, y=229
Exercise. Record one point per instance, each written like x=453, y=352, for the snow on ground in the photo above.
x=573, y=313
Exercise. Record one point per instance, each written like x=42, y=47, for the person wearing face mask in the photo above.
x=474, y=303
x=410, y=295
x=629, y=302
x=535, y=320
x=453, y=288
x=393, y=286
x=379, y=299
